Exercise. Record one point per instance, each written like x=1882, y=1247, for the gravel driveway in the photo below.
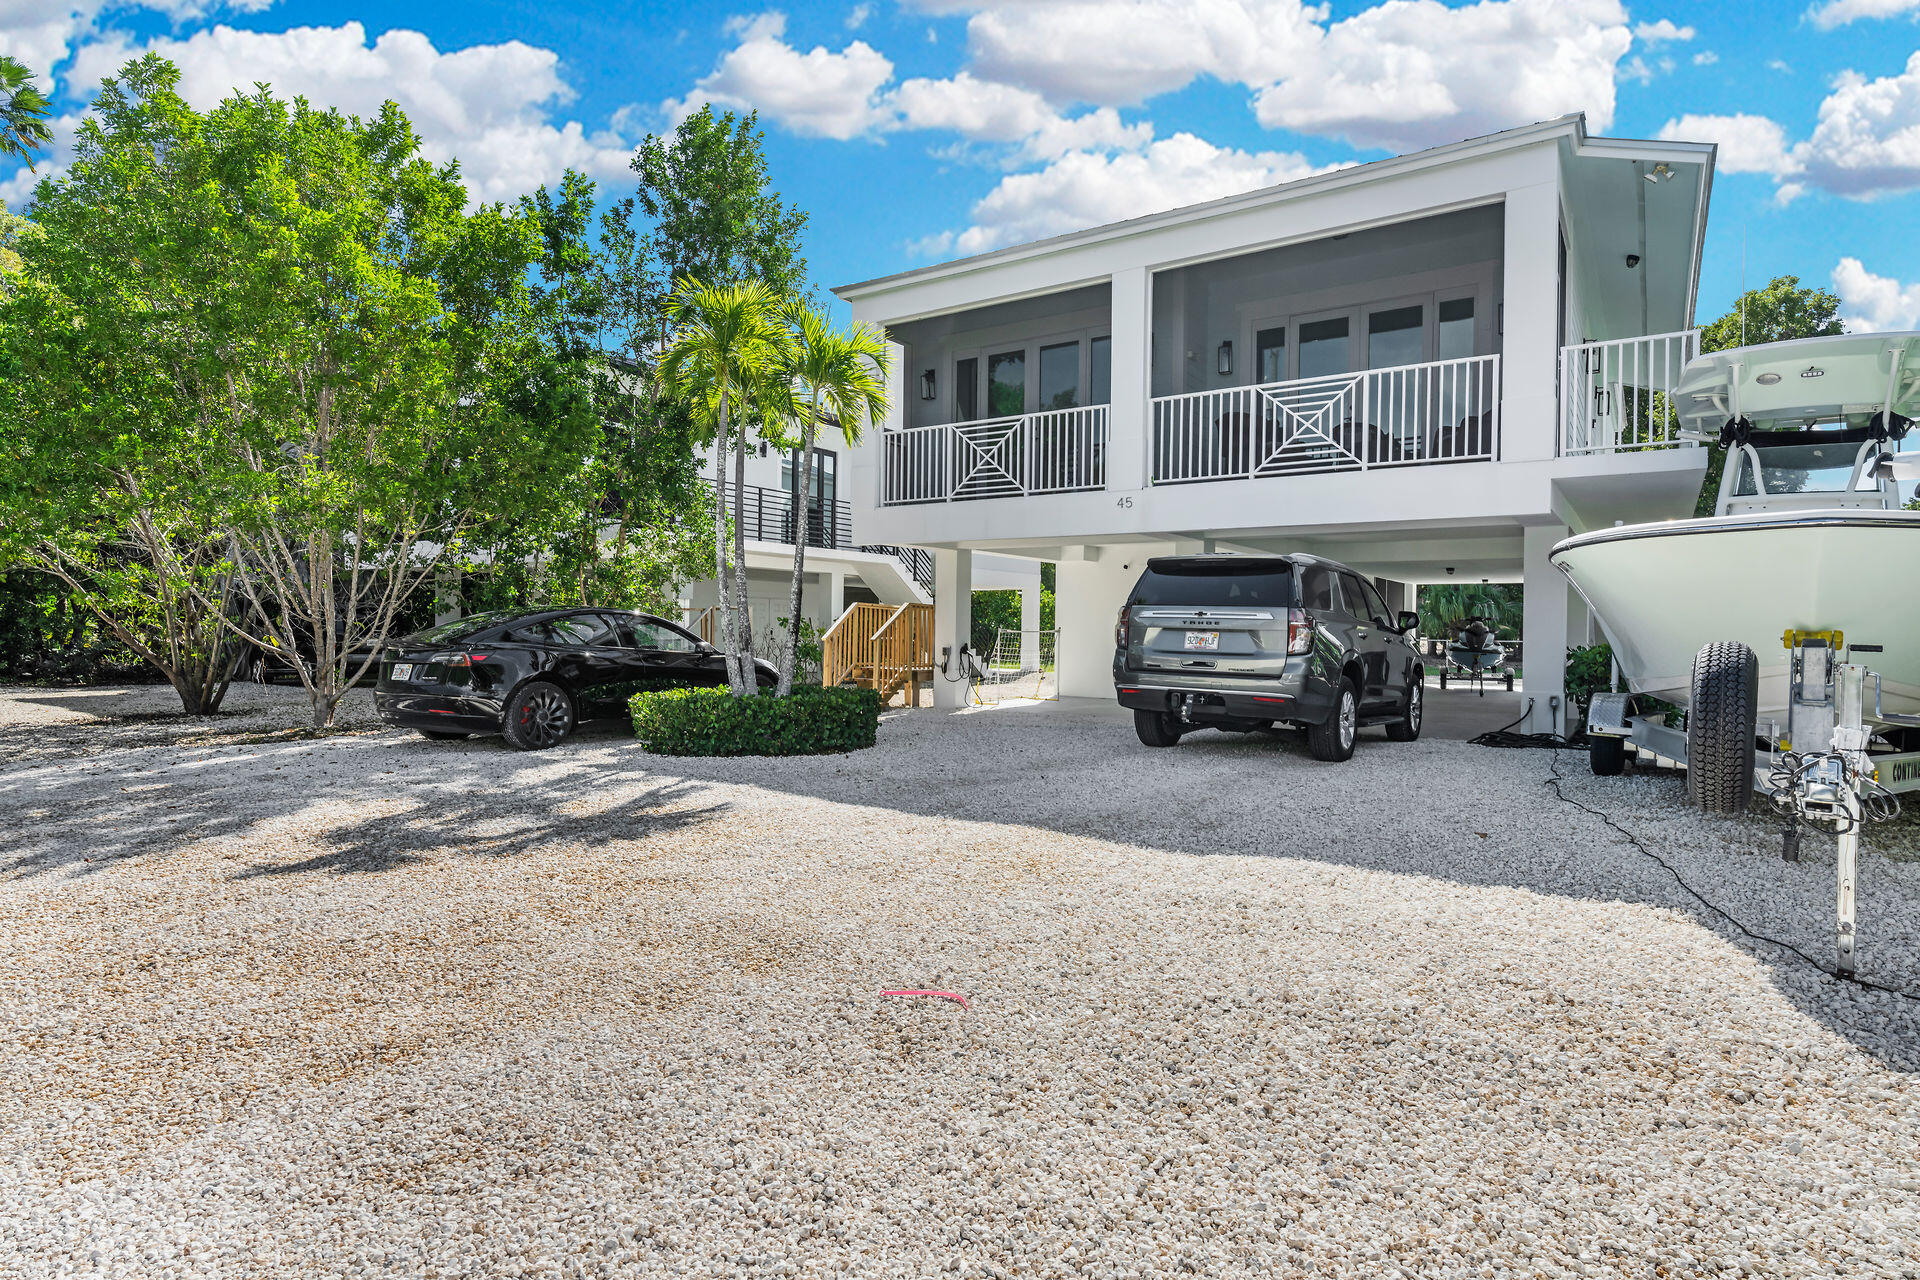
x=370, y=1006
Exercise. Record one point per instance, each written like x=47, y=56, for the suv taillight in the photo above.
x=1120, y=627
x=1299, y=631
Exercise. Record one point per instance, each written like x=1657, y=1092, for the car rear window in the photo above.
x=461, y=628
x=1264, y=585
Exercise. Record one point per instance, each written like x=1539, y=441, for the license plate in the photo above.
x=1203, y=640
x=403, y=671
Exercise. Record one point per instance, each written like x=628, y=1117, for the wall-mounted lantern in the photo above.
x=1226, y=358
x=926, y=385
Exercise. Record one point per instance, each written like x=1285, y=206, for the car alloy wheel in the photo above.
x=1349, y=719
x=545, y=717
x=1414, y=701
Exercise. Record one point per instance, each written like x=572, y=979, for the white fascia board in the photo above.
x=989, y=269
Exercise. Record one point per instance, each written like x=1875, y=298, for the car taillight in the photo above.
x=1120, y=627
x=1299, y=631
x=457, y=659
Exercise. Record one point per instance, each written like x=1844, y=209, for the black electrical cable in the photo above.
x=1503, y=737
x=1554, y=782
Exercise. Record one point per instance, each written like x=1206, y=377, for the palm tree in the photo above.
x=23, y=113
x=725, y=354
x=845, y=374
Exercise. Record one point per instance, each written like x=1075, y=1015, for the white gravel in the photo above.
x=370, y=1006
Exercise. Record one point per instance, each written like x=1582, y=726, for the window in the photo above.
x=1802, y=468
x=1353, y=597
x=1376, y=607
x=1100, y=374
x=1260, y=584
x=578, y=629
x=644, y=633
x=966, y=389
x=1316, y=588
x=1456, y=329
x=1270, y=355
x=1060, y=376
x=1324, y=348
x=1007, y=384
x=1396, y=337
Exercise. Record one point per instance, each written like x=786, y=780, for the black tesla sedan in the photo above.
x=531, y=675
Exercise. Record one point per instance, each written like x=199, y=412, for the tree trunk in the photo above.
x=749, y=683
x=721, y=580
x=802, y=501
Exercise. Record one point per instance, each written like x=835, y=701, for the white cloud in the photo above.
x=1417, y=73
x=1664, y=29
x=826, y=94
x=858, y=15
x=487, y=106
x=43, y=34
x=1867, y=142
x=18, y=187
x=1836, y=13
x=1871, y=303
x=1086, y=189
x=846, y=94
x=1705, y=58
x=1748, y=143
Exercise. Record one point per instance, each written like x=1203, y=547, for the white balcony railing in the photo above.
x=1443, y=411
x=1058, y=451
x=1618, y=395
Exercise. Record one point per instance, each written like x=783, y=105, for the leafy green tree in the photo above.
x=1780, y=311
x=320, y=363
x=842, y=374
x=727, y=357
x=1445, y=606
x=23, y=113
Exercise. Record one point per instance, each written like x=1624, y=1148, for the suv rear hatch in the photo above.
x=1210, y=616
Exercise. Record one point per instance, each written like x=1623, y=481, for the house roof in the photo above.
x=1572, y=127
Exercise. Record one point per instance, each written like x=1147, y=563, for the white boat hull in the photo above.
x=1661, y=591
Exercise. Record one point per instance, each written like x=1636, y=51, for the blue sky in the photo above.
x=914, y=130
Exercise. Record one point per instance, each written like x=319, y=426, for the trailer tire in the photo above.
x=1724, y=703
x=1606, y=756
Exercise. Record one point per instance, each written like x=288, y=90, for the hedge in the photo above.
x=712, y=722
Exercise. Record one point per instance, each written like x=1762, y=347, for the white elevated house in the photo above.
x=1431, y=367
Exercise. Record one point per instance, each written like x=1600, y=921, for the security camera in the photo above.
x=1449, y=571
x=1633, y=260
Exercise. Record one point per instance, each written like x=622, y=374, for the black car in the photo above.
x=1246, y=642
x=531, y=675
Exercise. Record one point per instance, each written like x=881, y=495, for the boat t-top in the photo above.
x=1786, y=625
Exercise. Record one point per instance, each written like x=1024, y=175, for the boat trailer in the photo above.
x=1818, y=769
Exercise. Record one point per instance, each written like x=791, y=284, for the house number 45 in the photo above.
x=1123, y=503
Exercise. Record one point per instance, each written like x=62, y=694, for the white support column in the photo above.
x=1529, y=354
x=1543, y=630
x=446, y=592
x=836, y=597
x=1030, y=627
x=1132, y=380
x=952, y=625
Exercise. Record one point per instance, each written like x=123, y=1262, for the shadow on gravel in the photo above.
x=383, y=843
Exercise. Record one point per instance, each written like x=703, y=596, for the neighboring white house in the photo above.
x=840, y=569
x=1430, y=367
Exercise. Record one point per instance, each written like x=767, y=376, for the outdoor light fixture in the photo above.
x=926, y=385
x=1662, y=172
x=1226, y=357
x=1768, y=379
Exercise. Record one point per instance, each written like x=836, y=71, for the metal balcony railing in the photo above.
x=1618, y=395
x=1441, y=411
x=1057, y=451
x=767, y=515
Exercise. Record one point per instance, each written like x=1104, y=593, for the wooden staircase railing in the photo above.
x=884, y=647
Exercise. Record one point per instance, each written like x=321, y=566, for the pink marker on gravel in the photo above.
x=954, y=996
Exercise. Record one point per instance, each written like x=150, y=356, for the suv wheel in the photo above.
x=1407, y=727
x=1333, y=739
x=1156, y=728
x=538, y=716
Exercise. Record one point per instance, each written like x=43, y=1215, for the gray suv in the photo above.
x=1246, y=642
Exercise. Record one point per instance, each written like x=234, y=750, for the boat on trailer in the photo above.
x=1476, y=650
x=1787, y=624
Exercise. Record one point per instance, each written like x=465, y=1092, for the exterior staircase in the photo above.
x=885, y=647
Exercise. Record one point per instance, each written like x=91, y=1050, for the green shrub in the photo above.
x=712, y=722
